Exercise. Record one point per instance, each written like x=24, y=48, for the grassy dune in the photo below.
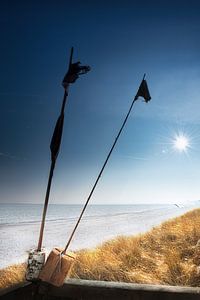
x=168, y=254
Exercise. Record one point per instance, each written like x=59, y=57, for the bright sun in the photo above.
x=181, y=143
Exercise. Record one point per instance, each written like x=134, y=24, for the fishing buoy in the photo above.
x=57, y=267
x=36, y=261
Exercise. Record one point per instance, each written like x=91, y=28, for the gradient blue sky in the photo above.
x=120, y=40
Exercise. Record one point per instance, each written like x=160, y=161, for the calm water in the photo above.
x=20, y=224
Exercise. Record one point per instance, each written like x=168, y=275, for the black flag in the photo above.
x=143, y=91
x=56, y=138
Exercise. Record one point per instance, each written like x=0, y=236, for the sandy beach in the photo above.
x=108, y=222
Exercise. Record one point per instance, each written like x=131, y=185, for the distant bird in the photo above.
x=177, y=205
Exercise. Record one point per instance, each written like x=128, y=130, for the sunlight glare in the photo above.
x=181, y=143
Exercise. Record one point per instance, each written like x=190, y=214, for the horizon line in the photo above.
x=137, y=203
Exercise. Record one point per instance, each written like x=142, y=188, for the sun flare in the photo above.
x=181, y=143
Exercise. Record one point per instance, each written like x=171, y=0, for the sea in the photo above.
x=20, y=225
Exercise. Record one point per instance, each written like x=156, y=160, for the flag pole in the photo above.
x=45, y=206
x=74, y=70
x=143, y=93
x=53, y=162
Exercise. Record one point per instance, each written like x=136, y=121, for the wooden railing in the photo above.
x=100, y=290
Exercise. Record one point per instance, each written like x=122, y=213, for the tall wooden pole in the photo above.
x=74, y=70
x=53, y=162
x=142, y=91
x=46, y=202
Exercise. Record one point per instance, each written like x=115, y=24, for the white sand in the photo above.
x=16, y=240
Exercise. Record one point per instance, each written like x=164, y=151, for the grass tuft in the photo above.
x=12, y=275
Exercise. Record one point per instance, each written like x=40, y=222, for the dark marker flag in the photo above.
x=56, y=138
x=143, y=91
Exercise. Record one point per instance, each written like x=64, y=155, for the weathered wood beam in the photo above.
x=75, y=289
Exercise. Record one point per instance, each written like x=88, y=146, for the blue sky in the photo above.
x=120, y=40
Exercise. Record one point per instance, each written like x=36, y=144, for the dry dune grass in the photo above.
x=168, y=254
x=12, y=275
